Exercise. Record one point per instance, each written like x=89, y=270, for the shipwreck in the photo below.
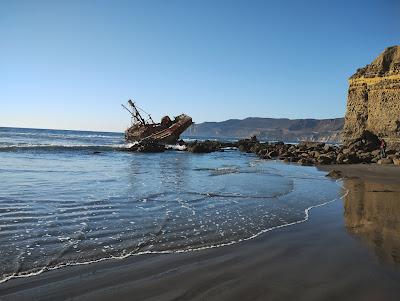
x=165, y=132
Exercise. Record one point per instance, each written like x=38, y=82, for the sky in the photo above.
x=71, y=64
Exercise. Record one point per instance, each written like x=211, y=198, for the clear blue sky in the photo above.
x=70, y=64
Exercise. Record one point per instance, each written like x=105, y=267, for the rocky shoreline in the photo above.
x=365, y=149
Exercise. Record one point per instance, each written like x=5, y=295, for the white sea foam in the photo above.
x=66, y=146
x=176, y=147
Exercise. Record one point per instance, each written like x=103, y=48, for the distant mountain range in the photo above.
x=279, y=129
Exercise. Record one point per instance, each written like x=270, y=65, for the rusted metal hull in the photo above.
x=162, y=133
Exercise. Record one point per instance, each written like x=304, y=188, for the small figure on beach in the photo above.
x=383, y=148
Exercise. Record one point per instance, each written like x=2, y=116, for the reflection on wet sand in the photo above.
x=372, y=213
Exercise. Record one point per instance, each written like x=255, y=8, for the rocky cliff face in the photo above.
x=373, y=102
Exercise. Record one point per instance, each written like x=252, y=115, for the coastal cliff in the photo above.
x=373, y=102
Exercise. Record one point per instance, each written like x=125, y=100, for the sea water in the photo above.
x=73, y=197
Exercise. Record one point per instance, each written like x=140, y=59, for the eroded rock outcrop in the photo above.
x=373, y=102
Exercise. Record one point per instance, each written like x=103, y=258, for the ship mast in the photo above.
x=136, y=116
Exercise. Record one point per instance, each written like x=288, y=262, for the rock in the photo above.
x=181, y=142
x=375, y=159
x=273, y=154
x=305, y=162
x=324, y=160
x=365, y=157
x=352, y=158
x=373, y=100
x=266, y=157
x=315, y=154
x=204, y=147
x=245, y=145
x=262, y=152
x=367, y=142
x=310, y=145
x=253, y=139
x=284, y=155
x=328, y=148
x=335, y=174
x=148, y=146
x=385, y=161
x=256, y=148
x=376, y=153
x=357, y=144
x=340, y=157
x=346, y=151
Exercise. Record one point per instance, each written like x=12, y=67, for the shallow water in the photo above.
x=62, y=204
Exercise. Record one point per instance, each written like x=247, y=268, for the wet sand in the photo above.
x=383, y=174
x=347, y=250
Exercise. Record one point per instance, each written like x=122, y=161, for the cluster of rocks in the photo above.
x=363, y=150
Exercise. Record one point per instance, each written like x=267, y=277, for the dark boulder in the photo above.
x=306, y=162
x=367, y=141
x=148, y=146
x=324, y=160
x=273, y=154
x=328, y=148
x=245, y=145
x=204, y=147
x=335, y=174
x=310, y=145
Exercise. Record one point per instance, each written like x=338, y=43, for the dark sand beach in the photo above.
x=347, y=250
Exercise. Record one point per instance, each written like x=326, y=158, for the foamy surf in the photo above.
x=67, y=147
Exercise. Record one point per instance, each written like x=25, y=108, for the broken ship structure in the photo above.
x=165, y=132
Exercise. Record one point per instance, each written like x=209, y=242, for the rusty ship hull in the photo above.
x=164, y=132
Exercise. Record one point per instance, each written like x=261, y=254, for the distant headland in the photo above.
x=279, y=129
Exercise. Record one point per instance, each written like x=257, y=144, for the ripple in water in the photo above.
x=70, y=208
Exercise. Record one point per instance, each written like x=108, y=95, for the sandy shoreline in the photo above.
x=389, y=174
x=332, y=256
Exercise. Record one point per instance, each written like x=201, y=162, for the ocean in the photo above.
x=73, y=197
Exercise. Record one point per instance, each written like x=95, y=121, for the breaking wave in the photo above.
x=64, y=147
